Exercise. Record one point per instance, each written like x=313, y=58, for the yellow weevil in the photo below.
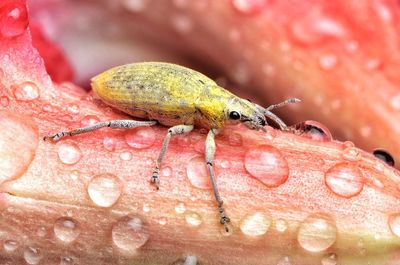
x=179, y=98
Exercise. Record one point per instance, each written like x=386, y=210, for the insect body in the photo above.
x=177, y=97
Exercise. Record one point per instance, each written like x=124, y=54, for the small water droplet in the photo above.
x=48, y=108
x=328, y=61
x=373, y=64
x=129, y=233
x=314, y=130
x=146, y=208
x=284, y=261
x=109, y=143
x=135, y=5
x=384, y=156
x=32, y=255
x=197, y=173
x=26, y=91
x=193, y=218
x=166, y=171
x=4, y=101
x=249, y=7
x=267, y=164
x=383, y=11
x=241, y=73
x=317, y=233
x=352, y=46
x=281, y=225
x=347, y=144
x=344, y=180
x=225, y=164
x=235, y=139
x=69, y=152
x=10, y=245
x=351, y=154
x=182, y=24
x=67, y=261
x=105, y=189
x=365, y=131
x=13, y=18
x=140, y=138
x=395, y=102
x=41, y=231
x=180, y=208
x=330, y=259
x=89, y=120
x=126, y=156
x=162, y=221
x=66, y=229
x=73, y=109
x=269, y=70
x=255, y=224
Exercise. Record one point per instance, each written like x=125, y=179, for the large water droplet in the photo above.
x=193, y=218
x=129, y=233
x=384, y=156
x=10, y=245
x=135, y=5
x=197, y=173
x=140, y=138
x=69, y=152
x=255, y=224
x=18, y=142
x=267, y=164
x=66, y=229
x=317, y=233
x=249, y=6
x=394, y=224
x=26, y=91
x=344, y=179
x=330, y=259
x=180, y=208
x=314, y=130
x=105, y=189
x=89, y=120
x=13, y=19
x=32, y=255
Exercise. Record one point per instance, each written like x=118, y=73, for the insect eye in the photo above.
x=234, y=115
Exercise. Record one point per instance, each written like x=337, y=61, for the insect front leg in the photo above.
x=178, y=129
x=209, y=152
x=115, y=124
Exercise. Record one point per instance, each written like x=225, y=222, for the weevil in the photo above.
x=177, y=97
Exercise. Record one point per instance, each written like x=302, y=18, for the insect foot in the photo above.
x=154, y=179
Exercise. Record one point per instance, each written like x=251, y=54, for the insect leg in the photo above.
x=209, y=152
x=178, y=129
x=116, y=124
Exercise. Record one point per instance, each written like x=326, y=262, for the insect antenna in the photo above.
x=276, y=119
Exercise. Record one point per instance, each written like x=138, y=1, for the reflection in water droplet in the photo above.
x=330, y=259
x=69, y=152
x=249, y=6
x=344, y=180
x=89, y=120
x=105, y=189
x=197, y=173
x=126, y=156
x=351, y=154
x=140, y=138
x=4, y=101
x=281, y=225
x=32, y=255
x=66, y=229
x=26, y=91
x=314, y=130
x=180, y=208
x=255, y=224
x=267, y=164
x=129, y=233
x=10, y=245
x=317, y=233
x=384, y=156
x=182, y=23
x=135, y=5
x=193, y=218
x=14, y=19
x=394, y=224
x=327, y=61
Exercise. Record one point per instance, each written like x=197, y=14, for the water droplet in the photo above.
x=374, y=64
x=67, y=261
x=327, y=61
x=383, y=11
x=197, y=173
x=394, y=224
x=180, y=208
x=384, y=156
x=365, y=131
x=255, y=224
x=314, y=130
x=395, y=102
x=317, y=233
x=109, y=143
x=166, y=171
x=10, y=245
x=351, y=154
x=330, y=259
x=344, y=180
x=284, y=261
x=26, y=91
x=129, y=233
x=235, y=139
x=89, y=120
x=182, y=24
x=69, y=152
x=126, y=156
x=140, y=138
x=249, y=7
x=135, y=5
x=267, y=164
x=13, y=19
x=48, y=108
x=281, y=225
x=225, y=164
x=241, y=73
x=73, y=109
x=347, y=144
x=66, y=229
x=146, y=208
x=4, y=101
x=162, y=221
x=32, y=255
x=105, y=189
x=41, y=231
x=352, y=46
x=16, y=156
x=269, y=70
x=193, y=218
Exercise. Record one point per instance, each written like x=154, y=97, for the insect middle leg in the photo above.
x=209, y=152
x=115, y=124
x=178, y=129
